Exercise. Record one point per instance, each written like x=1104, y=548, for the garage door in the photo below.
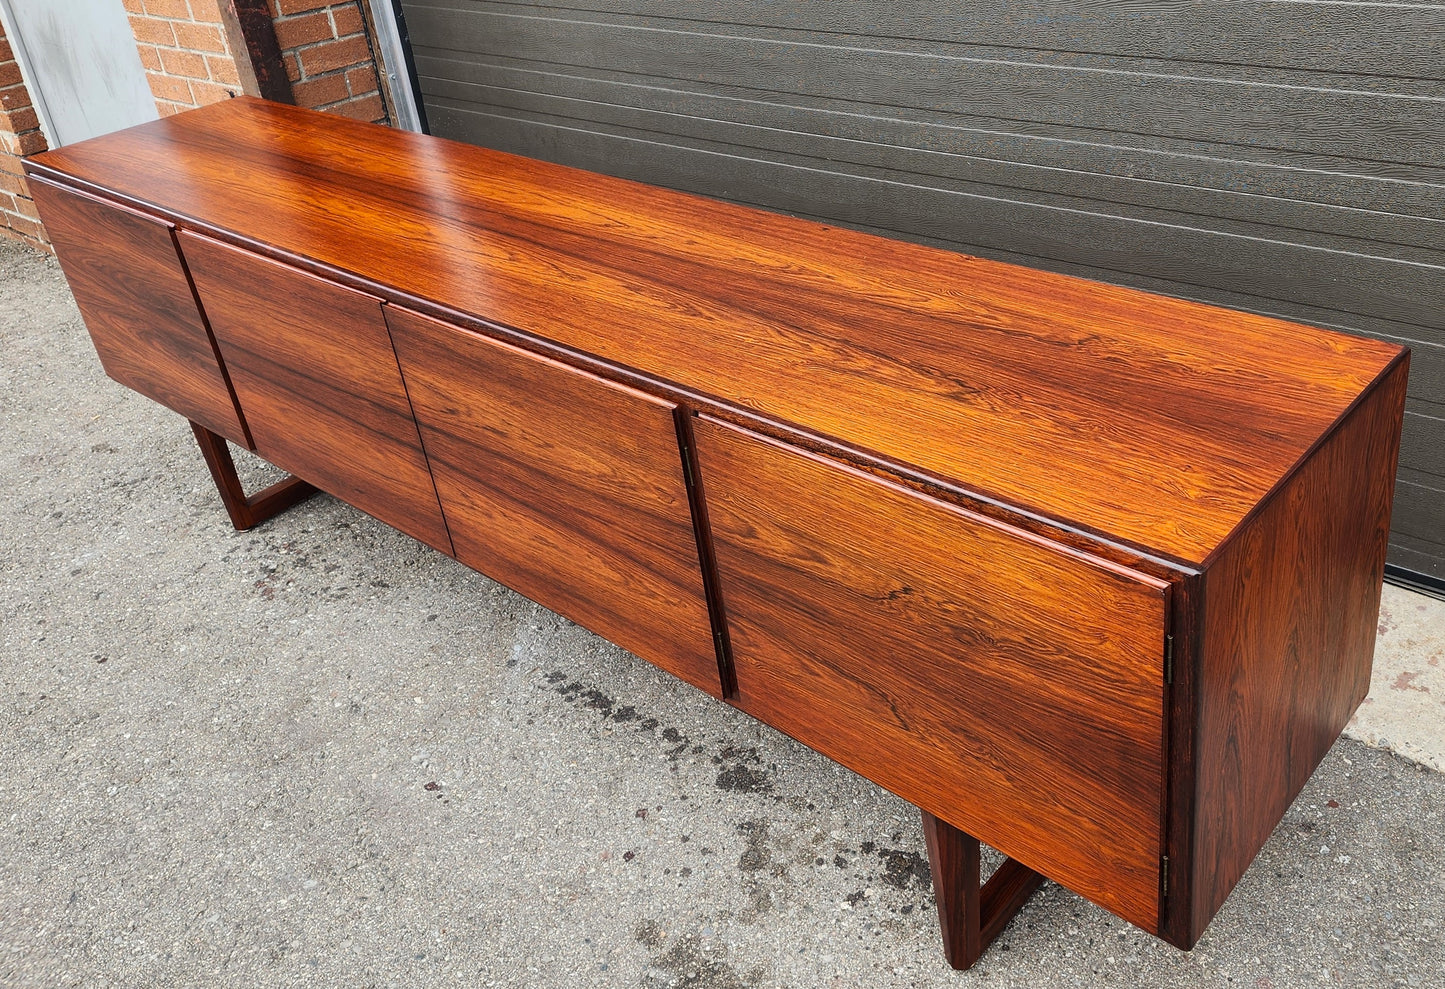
x=1284, y=158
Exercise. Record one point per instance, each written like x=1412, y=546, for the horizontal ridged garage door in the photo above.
x=1285, y=158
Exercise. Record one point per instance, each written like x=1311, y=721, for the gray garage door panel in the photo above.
x=1349, y=38
x=1281, y=158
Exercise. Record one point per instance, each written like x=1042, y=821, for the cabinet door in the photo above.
x=128, y=281
x=314, y=369
x=565, y=487
x=1007, y=685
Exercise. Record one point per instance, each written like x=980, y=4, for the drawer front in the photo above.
x=127, y=279
x=1005, y=684
x=565, y=487
x=314, y=368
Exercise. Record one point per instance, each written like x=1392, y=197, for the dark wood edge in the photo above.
x=245, y=511
x=451, y=547
x=247, y=440
x=970, y=917
x=706, y=555
x=1162, y=566
x=1181, y=721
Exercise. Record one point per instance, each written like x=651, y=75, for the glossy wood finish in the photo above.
x=1288, y=636
x=135, y=296
x=314, y=369
x=947, y=658
x=971, y=917
x=945, y=509
x=246, y=511
x=1098, y=408
x=565, y=487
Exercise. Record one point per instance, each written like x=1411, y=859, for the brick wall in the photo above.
x=327, y=50
x=20, y=135
x=183, y=47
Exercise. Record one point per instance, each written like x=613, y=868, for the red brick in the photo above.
x=188, y=64
x=318, y=92
x=206, y=11
x=330, y=55
x=26, y=207
x=366, y=108
x=7, y=203
x=361, y=80
x=292, y=32
x=9, y=74
x=208, y=93
x=133, y=6
x=168, y=8
x=14, y=98
x=223, y=70
x=293, y=67
x=24, y=225
x=200, y=37
x=30, y=143
x=284, y=7
x=149, y=57
x=20, y=120
x=169, y=88
x=9, y=162
x=348, y=20
x=6, y=54
x=169, y=109
x=30, y=242
x=152, y=31
x=14, y=184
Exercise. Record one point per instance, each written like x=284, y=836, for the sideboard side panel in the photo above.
x=565, y=487
x=1001, y=683
x=314, y=367
x=1290, y=613
x=128, y=280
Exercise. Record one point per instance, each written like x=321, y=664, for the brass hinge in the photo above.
x=1169, y=659
x=1164, y=870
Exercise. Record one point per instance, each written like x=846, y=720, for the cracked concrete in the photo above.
x=319, y=754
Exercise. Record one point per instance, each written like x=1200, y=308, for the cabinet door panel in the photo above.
x=565, y=487
x=1007, y=685
x=314, y=368
x=127, y=279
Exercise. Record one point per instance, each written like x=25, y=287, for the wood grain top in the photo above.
x=1152, y=421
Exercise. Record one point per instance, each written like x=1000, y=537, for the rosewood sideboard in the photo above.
x=1088, y=574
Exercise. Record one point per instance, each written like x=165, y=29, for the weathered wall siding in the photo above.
x=1283, y=158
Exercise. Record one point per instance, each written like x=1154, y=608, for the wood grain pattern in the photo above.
x=970, y=916
x=947, y=658
x=564, y=487
x=953, y=859
x=1289, y=621
x=1103, y=409
x=128, y=280
x=314, y=368
x=246, y=511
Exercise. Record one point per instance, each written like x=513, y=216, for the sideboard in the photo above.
x=1085, y=573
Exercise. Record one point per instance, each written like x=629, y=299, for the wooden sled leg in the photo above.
x=970, y=916
x=246, y=511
